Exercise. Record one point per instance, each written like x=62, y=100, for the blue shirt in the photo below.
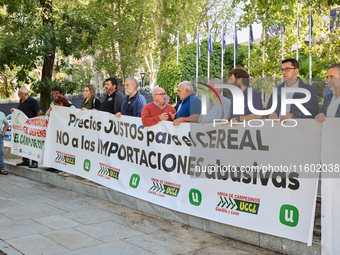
x=190, y=105
x=137, y=105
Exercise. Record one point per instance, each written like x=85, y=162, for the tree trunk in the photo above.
x=6, y=86
x=47, y=69
x=136, y=44
x=46, y=75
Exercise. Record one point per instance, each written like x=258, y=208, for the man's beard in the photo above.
x=128, y=92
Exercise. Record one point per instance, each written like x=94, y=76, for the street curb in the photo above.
x=265, y=241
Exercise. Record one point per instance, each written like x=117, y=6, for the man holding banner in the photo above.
x=290, y=71
x=134, y=102
x=158, y=110
x=190, y=109
x=30, y=107
x=331, y=103
x=113, y=101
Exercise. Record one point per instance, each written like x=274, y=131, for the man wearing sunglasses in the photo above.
x=158, y=110
x=290, y=71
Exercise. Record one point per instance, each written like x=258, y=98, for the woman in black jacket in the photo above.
x=90, y=99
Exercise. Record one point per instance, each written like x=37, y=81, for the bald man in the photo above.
x=158, y=110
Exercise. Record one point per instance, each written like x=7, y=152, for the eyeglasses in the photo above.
x=287, y=69
x=161, y=94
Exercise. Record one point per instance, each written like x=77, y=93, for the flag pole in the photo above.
x=235, y=46
x=263, y=38
x=208, y=58
x=177, y=44
x=197, y=56
x=310, y=45
x=222, y=43
x=282, y=46
x=297, y=34
x=249, y=49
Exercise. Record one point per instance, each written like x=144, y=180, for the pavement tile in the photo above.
x=4, y=194
x=132, y=218
x=116, y=248
x=71, y=239
x=162, y=242
x=36, y=244
x=90, y=216
x=30, y=211
x=17, y=178
x=108, y=231
x=18, y=191
x=145, y=223
x=50, y=188
x=9, y=187
x=71, y=204
x=60, y=193
x=19, y=228
x=8, y=249
x=57, y=222
x=25, y=183
x=66, y=222
x=3, y=218
x=31, y=199
x=5, y=202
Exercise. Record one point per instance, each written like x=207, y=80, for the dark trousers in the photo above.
x=28, y=160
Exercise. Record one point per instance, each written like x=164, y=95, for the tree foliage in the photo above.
x=32, y=31
x=170, y=74
x=283, y=13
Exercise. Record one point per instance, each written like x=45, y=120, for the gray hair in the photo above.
x=133, y=81
x=186, y=85
x=23, y=90
x=216, y=80
x=335, y=65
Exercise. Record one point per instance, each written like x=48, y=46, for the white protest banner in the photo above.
x=165, y=165
x=330, y=186
x=28, y=135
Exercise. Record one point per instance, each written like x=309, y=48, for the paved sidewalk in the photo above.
x=37, y=218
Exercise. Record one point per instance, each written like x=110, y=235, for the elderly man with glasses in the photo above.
x=158, y=110
x=331, y=103
x=290, y=70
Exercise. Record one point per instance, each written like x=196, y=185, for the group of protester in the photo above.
x=189, y=110
x=189, y=107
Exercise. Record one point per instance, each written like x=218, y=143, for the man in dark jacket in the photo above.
x=113, y=101
x=30, y=107
x=290, y=71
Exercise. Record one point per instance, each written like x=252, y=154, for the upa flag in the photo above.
x=235, y=37
x=310, y=23
x=224, y=43
x=251, y=37
x=334, y=18
x=274, y=30
x=210, y=48
x=198, y=45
